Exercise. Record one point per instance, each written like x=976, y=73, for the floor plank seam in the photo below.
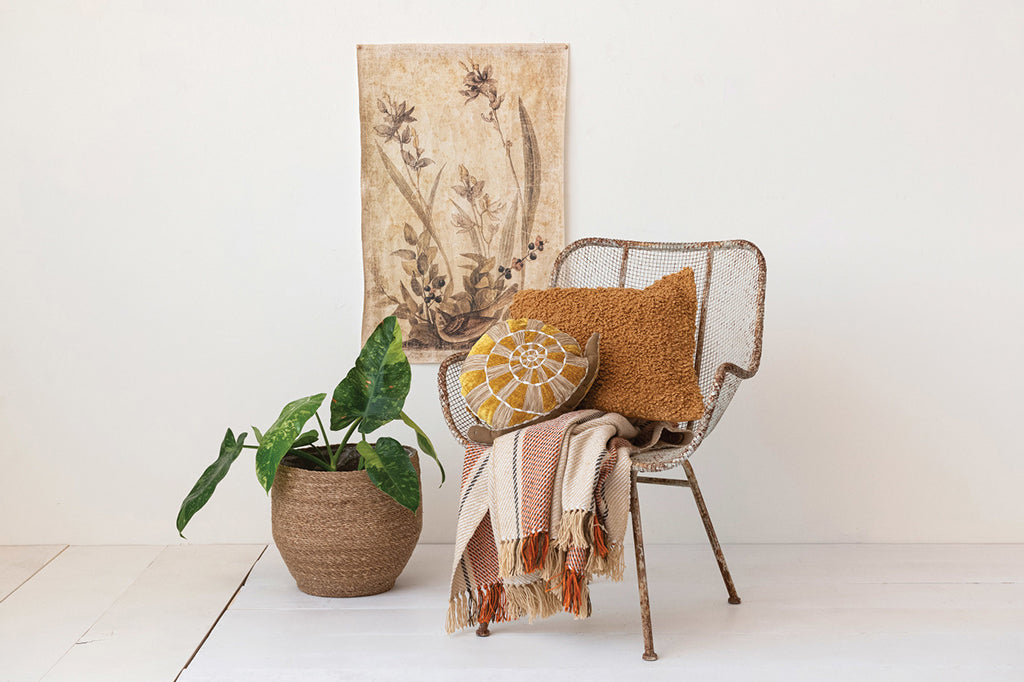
x=216, y=620
x=78, y=640
x=34, y=573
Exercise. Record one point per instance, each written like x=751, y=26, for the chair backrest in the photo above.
x=730, y=278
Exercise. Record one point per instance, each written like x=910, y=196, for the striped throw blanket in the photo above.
x=541, y=512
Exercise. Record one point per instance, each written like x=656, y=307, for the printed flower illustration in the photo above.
x=470, y=188
x=396, y=115
x=445, y=301
x=479, y=82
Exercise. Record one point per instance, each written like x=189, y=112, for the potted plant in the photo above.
x=345, y=518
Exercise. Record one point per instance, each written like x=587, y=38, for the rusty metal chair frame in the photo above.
x=730, y=278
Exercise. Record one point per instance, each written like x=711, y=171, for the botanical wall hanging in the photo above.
x=462, y=189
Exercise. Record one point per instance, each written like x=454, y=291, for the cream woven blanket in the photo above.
x=541, y=513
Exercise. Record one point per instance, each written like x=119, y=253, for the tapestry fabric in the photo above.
x=462, y=184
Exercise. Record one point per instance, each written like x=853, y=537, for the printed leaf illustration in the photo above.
x=508, y=232
x=390, y=469
x=423, y=212
x=531, y=172
x=425, y=445
x=375, y=388
x=410, y=236
x=407, y=191
x=433, y=190
x=278, y=439
x=207, y=483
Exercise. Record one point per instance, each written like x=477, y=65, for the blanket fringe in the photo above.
x=600, y=547
x=612, y=565
x=534, y=551
x=521, y=556
x=492, y=604
x=533, y=600
x=554, y=562
x=510, y=561
x=575, y=594
x=458, y=613
x=575, y=529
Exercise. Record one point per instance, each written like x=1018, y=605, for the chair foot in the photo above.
x=734, y=600
x=483, y=630
x=650, y=656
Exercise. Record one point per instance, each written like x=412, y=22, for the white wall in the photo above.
x=179, y=206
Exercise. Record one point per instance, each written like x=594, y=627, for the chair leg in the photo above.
x=483, y=630
x=641, y=570
x=712, y=537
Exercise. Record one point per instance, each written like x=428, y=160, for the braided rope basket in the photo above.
x=338, y=534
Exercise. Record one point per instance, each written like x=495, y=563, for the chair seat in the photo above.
x=659, y=459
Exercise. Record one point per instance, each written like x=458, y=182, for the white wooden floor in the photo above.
x=809, y=612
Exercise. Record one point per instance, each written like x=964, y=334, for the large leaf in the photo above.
x=389, y=468
x=424, y=442
x=308, y=438
x=531, y=173
x=279, y=438
x=207, y=483
x=375, y=389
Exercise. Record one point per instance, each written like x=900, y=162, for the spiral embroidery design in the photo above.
x=521, y=370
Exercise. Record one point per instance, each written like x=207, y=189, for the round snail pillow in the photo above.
x=523, y=371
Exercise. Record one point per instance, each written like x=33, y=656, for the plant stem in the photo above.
x=311, y=458
x=428, y=225
x=473, y=232
x=348, y=434
x=519, y=190
x=508, y=155
x=326, y=442
x=479, y=228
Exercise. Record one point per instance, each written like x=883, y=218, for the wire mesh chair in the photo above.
x=730, y=278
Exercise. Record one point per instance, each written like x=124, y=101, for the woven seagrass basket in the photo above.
x=338, y=534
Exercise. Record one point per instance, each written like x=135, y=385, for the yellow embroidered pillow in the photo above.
x=521, y=370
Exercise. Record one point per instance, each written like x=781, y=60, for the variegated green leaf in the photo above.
x=390, y=469
x=279, y=438
x=308, y=438
x=207, y=483
x=375, y=389
x=425, y=445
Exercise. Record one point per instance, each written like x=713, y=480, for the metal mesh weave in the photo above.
x=730, y=278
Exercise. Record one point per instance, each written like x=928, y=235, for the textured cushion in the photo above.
x=647, y=343
x=522, y=370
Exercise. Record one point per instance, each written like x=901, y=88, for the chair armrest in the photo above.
x=727, y=380
x=448, y=373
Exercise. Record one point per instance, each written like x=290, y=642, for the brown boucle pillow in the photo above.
x=647, y=343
